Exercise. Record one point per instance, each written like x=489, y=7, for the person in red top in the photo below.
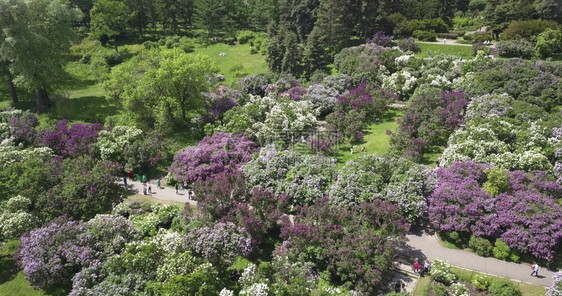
x=416, y=266
x=130, y=175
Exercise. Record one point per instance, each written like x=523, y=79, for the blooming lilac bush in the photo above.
x=353, y=245
x=380, y=38
x=219, y=244
x=51, y=255
x=112, y=233
x=212, y=155
x=322, y=98
x=356, y=108
x=556, y=288
x=221, y=101
x=74, y=141
x=22, y=128
x=111, y=143
x=218, y=195
x=429, y=119
x=525, y=216
x=85, y=188
x=397, y=180
x=255, y=85
x=364, y=62
x=302, y=177
x=16, y=219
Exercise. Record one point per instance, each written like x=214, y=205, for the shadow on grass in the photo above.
x=88, y=109
x=8, y=266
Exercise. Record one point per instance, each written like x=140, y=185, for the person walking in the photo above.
x=416, y=266
x=177, y=187
x=535, y=268
x=426, y=266
x=125, y=181
x=548, y=262
x=158, y=184
x=144, y=179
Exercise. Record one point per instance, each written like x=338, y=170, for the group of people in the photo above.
x=426, y=267
x=181, y=187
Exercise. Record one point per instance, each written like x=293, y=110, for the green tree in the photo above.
x=162, y=88
x=293, y=55
x=547, y=42
x=109, y=19
x=210, y=14
x=37, y=37
x=173, y=13
x=549, y=9
x=316, y=56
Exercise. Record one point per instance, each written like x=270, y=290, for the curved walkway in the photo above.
x=425, y=245
x=420, y=244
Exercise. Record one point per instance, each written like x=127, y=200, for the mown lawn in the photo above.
x=237, y=58
x=456, y=50
x=375, y=141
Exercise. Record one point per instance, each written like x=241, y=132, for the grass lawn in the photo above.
x=12, y=281
x=237, y=57
x=456, y=50
x=152, y=200
x=375, y=141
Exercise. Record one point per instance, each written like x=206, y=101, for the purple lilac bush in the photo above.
x=355, y=109
x=22, y=128
x=429, y=119
x=221, y=101
x=556, y=288
x=525, y=216
x=221, y=243
x=354, y=245
x=380, y=38
x=212, y=155
x=51, y=255
x=73, y=141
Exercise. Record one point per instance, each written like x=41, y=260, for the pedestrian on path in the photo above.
x=548, y=262
x=535, y=268
x=125, y=181
x=189, y=194
x=416, y=266
x=158, y=184
x=144, y=179
x=149, y=188
x=177, y=187
x=426, y=266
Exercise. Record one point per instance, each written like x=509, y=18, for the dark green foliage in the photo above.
x=424, y=35
x=503, y=288
x=28, y=178
x=480, y=245
x=528, y=30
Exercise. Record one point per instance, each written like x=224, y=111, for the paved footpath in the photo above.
x=165, y=193
x=420, y=244
x=425, y=245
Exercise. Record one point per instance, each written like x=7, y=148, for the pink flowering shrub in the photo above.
x=524, y=214
x=212, y=155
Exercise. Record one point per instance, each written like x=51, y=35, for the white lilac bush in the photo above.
x=303, y=177
x=11, y=154
x=398, y=180
x=16, y=219
x=441, y=272
x=403, y=83
x=111, y=143
x=458, y=289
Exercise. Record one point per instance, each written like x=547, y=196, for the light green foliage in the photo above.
x=162, y=88
x=548, y=41
x=498, y=181
x=480, y=245
x=503, y=252
x=480, y=281
x=503, y=288
x=108, y=18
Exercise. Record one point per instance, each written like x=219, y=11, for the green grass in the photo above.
x=456, y=50
x=375, y=141
x=152, y=200
x=422, y=286
x=236, y=56
x=12, y=281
